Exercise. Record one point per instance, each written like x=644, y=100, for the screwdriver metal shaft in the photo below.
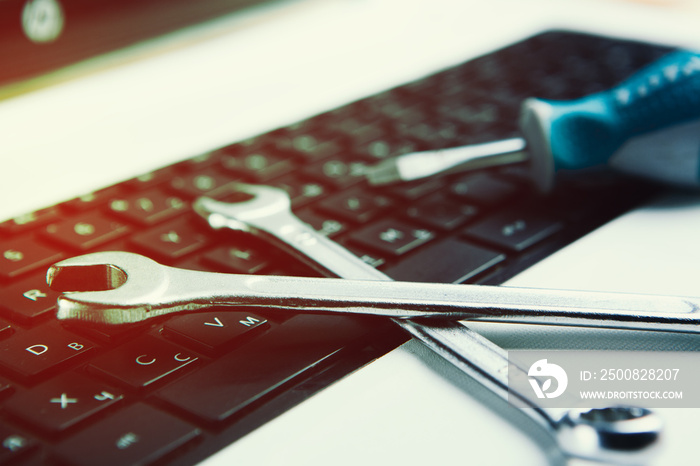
x=418, y=165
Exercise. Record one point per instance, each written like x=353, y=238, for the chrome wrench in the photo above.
x=135, y=288
x=579, y=433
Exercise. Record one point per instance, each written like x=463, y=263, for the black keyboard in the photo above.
x=175, y=391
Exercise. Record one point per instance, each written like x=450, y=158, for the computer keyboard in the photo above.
x=176, y=390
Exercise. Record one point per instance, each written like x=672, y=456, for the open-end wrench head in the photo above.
x=263, y=202
x=107, y=287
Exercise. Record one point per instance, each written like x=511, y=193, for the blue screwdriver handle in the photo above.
x=588, y=131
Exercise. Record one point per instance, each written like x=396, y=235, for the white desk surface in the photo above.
x=247, y=76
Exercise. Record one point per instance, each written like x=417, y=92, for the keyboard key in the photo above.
x=483, y=189
x=441, y=213
x=214, y=332
x=86, y=231
x=14, y=444
x=308, y=147
x=240, y=378
x=62, y=402
x=142, y=362
x=327, y=225
x=380, y=149
x=393, y=106
x=171, y=241
x=432, y=134
x=204, y=183
x=29, y=300
x=414, y=190
x=367, y=256
x=392, y=237
x=151, y=179
x=514, y=229
x=236, y=259
x=41, y=350
x=359, y=133
x=301, y=191
x=148, y=208
x=139, y=434
x=194, y=263
x=449, y=261
x=22, y=255
x=355, y=205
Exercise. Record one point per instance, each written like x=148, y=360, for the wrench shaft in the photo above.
x=406, y=300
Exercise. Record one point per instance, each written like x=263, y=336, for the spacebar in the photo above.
x=284, y=353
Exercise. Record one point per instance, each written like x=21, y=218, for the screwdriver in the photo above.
x=651, y=122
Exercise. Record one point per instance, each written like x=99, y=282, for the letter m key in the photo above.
x=250, y=321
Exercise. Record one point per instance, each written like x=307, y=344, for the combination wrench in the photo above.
x=131, y=288
x=136, y=288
